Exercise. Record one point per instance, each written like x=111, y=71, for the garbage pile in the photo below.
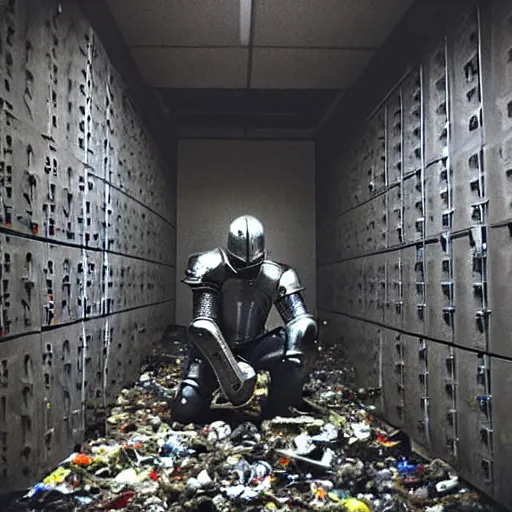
x=332, y=455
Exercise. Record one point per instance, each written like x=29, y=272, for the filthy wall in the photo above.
x=87, y=236
x=414, y=249
x=219, y=180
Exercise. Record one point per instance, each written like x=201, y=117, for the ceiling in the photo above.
x=253, y=69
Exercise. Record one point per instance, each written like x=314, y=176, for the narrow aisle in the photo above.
x=333, y=455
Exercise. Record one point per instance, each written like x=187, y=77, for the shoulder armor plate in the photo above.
x=289, y=283
x=269, y=277
x=206, y=268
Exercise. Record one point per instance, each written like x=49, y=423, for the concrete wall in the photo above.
x=220, y=180
x=87, y=236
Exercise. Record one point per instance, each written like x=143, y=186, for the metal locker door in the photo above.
x=470, y=199
x=22, y=279
x=367, y=363
x=471, y=290
x=414, y=290
x=435, y=91
x=442, y=368
x=24, y=161
x=440, y=308
x=465, y=85
x=416, y=397
x=475, y=428
x=394, y=305
x=500, y=277
x=395, y=202
x=393, y=377
x=498, y=470
x=63, y=392
x=438, y=198
x=22, y=439
x=414, y=212
x=412, y=97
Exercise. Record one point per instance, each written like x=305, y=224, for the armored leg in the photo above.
x=287, y=376
x=192, y=404
x=236, y=378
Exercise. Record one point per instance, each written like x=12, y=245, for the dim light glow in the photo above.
x=245, y=21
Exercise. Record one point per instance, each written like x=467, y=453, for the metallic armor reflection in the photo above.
x=233, y=292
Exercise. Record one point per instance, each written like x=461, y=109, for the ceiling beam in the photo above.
x=257, y=46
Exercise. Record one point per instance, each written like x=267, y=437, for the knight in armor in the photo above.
x=233, y=291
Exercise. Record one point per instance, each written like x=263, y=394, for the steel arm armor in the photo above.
x=205, y=273
x=301, y=327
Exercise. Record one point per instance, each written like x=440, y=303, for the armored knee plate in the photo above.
x=237, y=379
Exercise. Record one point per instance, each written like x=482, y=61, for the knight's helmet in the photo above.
x=246, y=242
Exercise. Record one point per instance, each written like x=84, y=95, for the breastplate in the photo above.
x=245, y=309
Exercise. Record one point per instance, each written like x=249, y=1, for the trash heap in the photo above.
x=332, y=455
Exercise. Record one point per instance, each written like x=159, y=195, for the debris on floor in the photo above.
x=332, y=455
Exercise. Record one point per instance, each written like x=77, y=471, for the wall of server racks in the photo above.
x=87, y=236
x=414, y=234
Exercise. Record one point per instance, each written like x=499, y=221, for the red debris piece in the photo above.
x=121, y=501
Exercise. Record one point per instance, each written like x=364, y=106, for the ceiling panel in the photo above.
x=277, y=134
x=205, y=100
x=282, y=121
x=193, y=67
x=312, y=101
x=261, y=101
x=188, y=120
x=307, y=69
x=326, y=23
x=178, y=22
x=216, y=132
